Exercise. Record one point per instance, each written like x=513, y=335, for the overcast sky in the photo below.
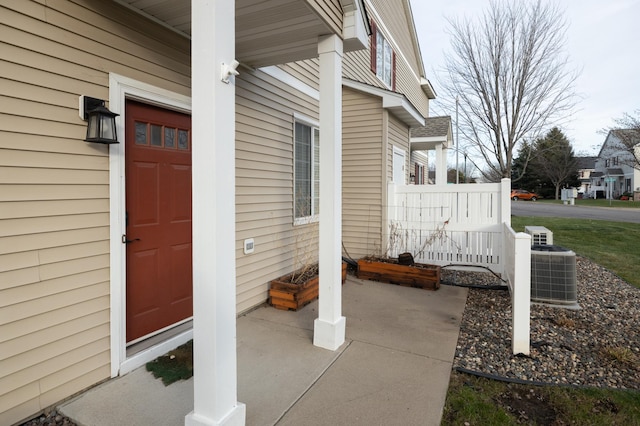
x=603, y=40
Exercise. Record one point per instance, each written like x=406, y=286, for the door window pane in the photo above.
x=156, y=135
x=141, y=133
x=183, y=139
x=169, y=137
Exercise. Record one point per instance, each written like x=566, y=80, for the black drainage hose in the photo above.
x=526, y=382
x=478, y=286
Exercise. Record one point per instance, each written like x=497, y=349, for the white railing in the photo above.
x=465, y=225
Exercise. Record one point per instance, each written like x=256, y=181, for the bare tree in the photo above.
x=509, y=73
x=627, y=130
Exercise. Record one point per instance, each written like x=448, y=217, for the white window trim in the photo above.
x=380, y=34
x=303, y=119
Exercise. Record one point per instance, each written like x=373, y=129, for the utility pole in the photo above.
x=457, y=146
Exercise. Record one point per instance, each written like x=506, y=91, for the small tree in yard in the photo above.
x=508, y=73
x=552, y=158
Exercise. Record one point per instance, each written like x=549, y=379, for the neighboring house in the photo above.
x=586, y=166
x=616, y=170
x=97, y=242
x=436, y=135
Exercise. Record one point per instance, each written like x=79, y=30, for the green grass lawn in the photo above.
x=599, y=203
x=614, y=245
x=479, y=401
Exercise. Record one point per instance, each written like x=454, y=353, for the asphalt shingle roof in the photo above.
x=434, y=127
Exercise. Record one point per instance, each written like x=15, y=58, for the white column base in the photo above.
x=329, y=335
x=236, y=417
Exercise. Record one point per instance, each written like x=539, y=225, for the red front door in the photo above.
x=158, y=222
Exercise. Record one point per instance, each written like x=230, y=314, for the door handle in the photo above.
x=125, y=241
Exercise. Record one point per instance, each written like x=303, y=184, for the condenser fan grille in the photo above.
x=553, y=275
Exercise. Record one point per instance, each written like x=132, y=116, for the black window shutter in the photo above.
x=374, y=46
x=393, y=72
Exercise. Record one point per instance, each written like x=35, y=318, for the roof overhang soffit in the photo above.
x=429, y=143
x=398, y=104
x=269, y=32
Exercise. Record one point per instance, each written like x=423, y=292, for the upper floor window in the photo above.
x=383, y=58
x=306, y=184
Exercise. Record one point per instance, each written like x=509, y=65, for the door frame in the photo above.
x=121, y=89
x=403, y=153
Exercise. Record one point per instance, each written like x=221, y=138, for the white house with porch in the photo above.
x=616, y=170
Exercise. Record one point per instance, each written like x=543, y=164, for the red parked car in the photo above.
x=521, y=194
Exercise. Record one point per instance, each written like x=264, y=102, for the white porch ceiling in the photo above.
x=267, y=32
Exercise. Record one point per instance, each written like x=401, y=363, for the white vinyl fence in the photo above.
x=464, y=225
x=517, y=272
x=449, y=224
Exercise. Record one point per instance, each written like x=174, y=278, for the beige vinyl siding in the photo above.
x=362, y=182
x=265, y=110
x=398, y=137
x=357, y=65
x=54, y=189
x=330, y=11
x=307, y=72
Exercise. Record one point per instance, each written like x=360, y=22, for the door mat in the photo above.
x=173, y=366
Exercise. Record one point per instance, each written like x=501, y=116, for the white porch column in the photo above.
x=441, y=164
x=213, y=181
x=329, y=327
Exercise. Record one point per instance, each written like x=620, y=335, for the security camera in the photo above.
x=228, y=70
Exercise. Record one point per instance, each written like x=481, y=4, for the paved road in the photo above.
x=532, y=208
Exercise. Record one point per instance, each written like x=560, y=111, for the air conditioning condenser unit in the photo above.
x=539, y=235
x=553, y=276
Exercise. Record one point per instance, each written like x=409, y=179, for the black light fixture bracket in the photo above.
x=89, y=104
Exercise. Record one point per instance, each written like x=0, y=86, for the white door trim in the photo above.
x=120, y=89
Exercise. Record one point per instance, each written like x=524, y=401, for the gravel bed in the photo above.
x=50, y=418
x=597, y=345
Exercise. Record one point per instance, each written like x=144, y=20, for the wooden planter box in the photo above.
x=419, y=275
x=287, y=296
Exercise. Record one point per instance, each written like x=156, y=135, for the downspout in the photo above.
x=384, y=234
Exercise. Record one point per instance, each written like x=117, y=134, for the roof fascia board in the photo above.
x=416, y=41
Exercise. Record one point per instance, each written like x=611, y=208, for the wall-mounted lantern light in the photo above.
x=101, y=123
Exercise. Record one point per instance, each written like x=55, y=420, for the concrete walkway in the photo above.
x=393, y=369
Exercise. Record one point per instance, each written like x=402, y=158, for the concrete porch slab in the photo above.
x=373, y=385
x=393, y=368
